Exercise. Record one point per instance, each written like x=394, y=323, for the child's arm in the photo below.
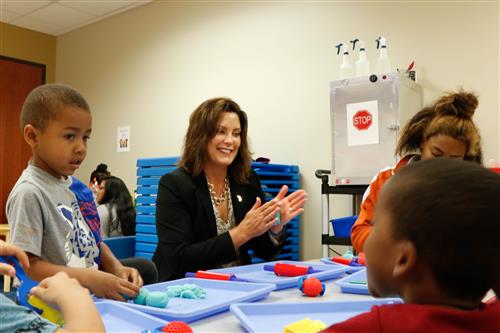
x=75, y=303
x=110, y=264
x=101, y=284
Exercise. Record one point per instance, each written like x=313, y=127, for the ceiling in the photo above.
x=56, y=17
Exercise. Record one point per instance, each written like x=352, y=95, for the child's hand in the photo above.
x=59, y=289
x=107, y=285
x=12, y=250
x=130, y=274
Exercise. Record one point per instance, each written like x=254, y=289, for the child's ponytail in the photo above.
x=461, y=104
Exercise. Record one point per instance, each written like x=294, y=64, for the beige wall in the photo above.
x=29, y=45
x=150, y=67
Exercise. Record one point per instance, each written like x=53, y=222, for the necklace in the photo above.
x=223, y=196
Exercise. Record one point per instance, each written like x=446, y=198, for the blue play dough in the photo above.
x=188, y=294
x=127, y=297
x=157, y=299
x=141, y=297
x=191, y=291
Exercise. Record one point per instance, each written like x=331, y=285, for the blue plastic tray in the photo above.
x=220, y=295
x=351, y=269
x=256, y=273
x=120, y=318
x=273, y=317
x=353, y=284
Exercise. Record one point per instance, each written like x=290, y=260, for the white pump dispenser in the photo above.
x=383, y=61
x=362, y=65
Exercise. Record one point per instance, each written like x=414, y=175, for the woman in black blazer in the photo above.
x=211, y=211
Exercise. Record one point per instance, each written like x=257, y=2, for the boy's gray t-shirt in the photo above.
x=45, y=218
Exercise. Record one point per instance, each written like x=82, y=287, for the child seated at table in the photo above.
x=435, y=243
x=74, y=302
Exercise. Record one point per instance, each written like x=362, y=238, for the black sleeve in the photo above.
x=186, y=242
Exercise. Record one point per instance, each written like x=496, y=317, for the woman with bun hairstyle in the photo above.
x=116, y=208
x=96, y=177
x=444, y=129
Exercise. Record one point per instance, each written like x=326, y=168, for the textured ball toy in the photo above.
x=311, y=287
x=177, y=327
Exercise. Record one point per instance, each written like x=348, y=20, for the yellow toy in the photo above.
x=25, y=299
x=305, y=325
x=48, y=313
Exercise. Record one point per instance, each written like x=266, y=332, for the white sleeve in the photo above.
x=104, y=216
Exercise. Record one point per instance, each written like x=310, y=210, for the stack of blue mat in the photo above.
x=149, y=172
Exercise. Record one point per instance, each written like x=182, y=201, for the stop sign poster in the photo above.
x=362, y=123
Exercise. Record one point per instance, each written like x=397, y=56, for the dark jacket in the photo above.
x=187, y=230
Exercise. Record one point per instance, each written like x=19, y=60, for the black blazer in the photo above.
x=187, y=230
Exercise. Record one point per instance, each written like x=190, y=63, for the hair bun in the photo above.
x=102, y=168
x=460, y=104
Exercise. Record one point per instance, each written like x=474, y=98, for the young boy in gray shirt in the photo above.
x=52, y=215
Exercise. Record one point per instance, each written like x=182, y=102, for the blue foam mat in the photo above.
x=146, y=200
x=150, y=181
x=146, y=238
x=275, y=167
x=273, y=317
x=145, y=228
x=277, y=175
x=157, y=161
x=220, y=295
x=155, y=171
x=119, y=318
x=150, y=219
x=256, y=273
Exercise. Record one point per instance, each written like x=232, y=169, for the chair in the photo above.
x=121, y=246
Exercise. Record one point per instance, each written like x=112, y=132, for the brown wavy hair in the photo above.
x=450, y=115
x=203, y=127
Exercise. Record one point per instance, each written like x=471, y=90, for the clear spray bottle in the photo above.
x=383, y=61
x=345, y=66
x=362, y=65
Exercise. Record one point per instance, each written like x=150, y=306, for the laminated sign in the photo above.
x=362, y=123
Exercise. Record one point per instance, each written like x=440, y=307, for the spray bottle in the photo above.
x=383, y=61
x=345, y=66
x=362, y=65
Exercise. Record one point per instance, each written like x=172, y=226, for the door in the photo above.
x=17, y=79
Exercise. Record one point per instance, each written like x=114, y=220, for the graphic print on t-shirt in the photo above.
x=80, y=247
